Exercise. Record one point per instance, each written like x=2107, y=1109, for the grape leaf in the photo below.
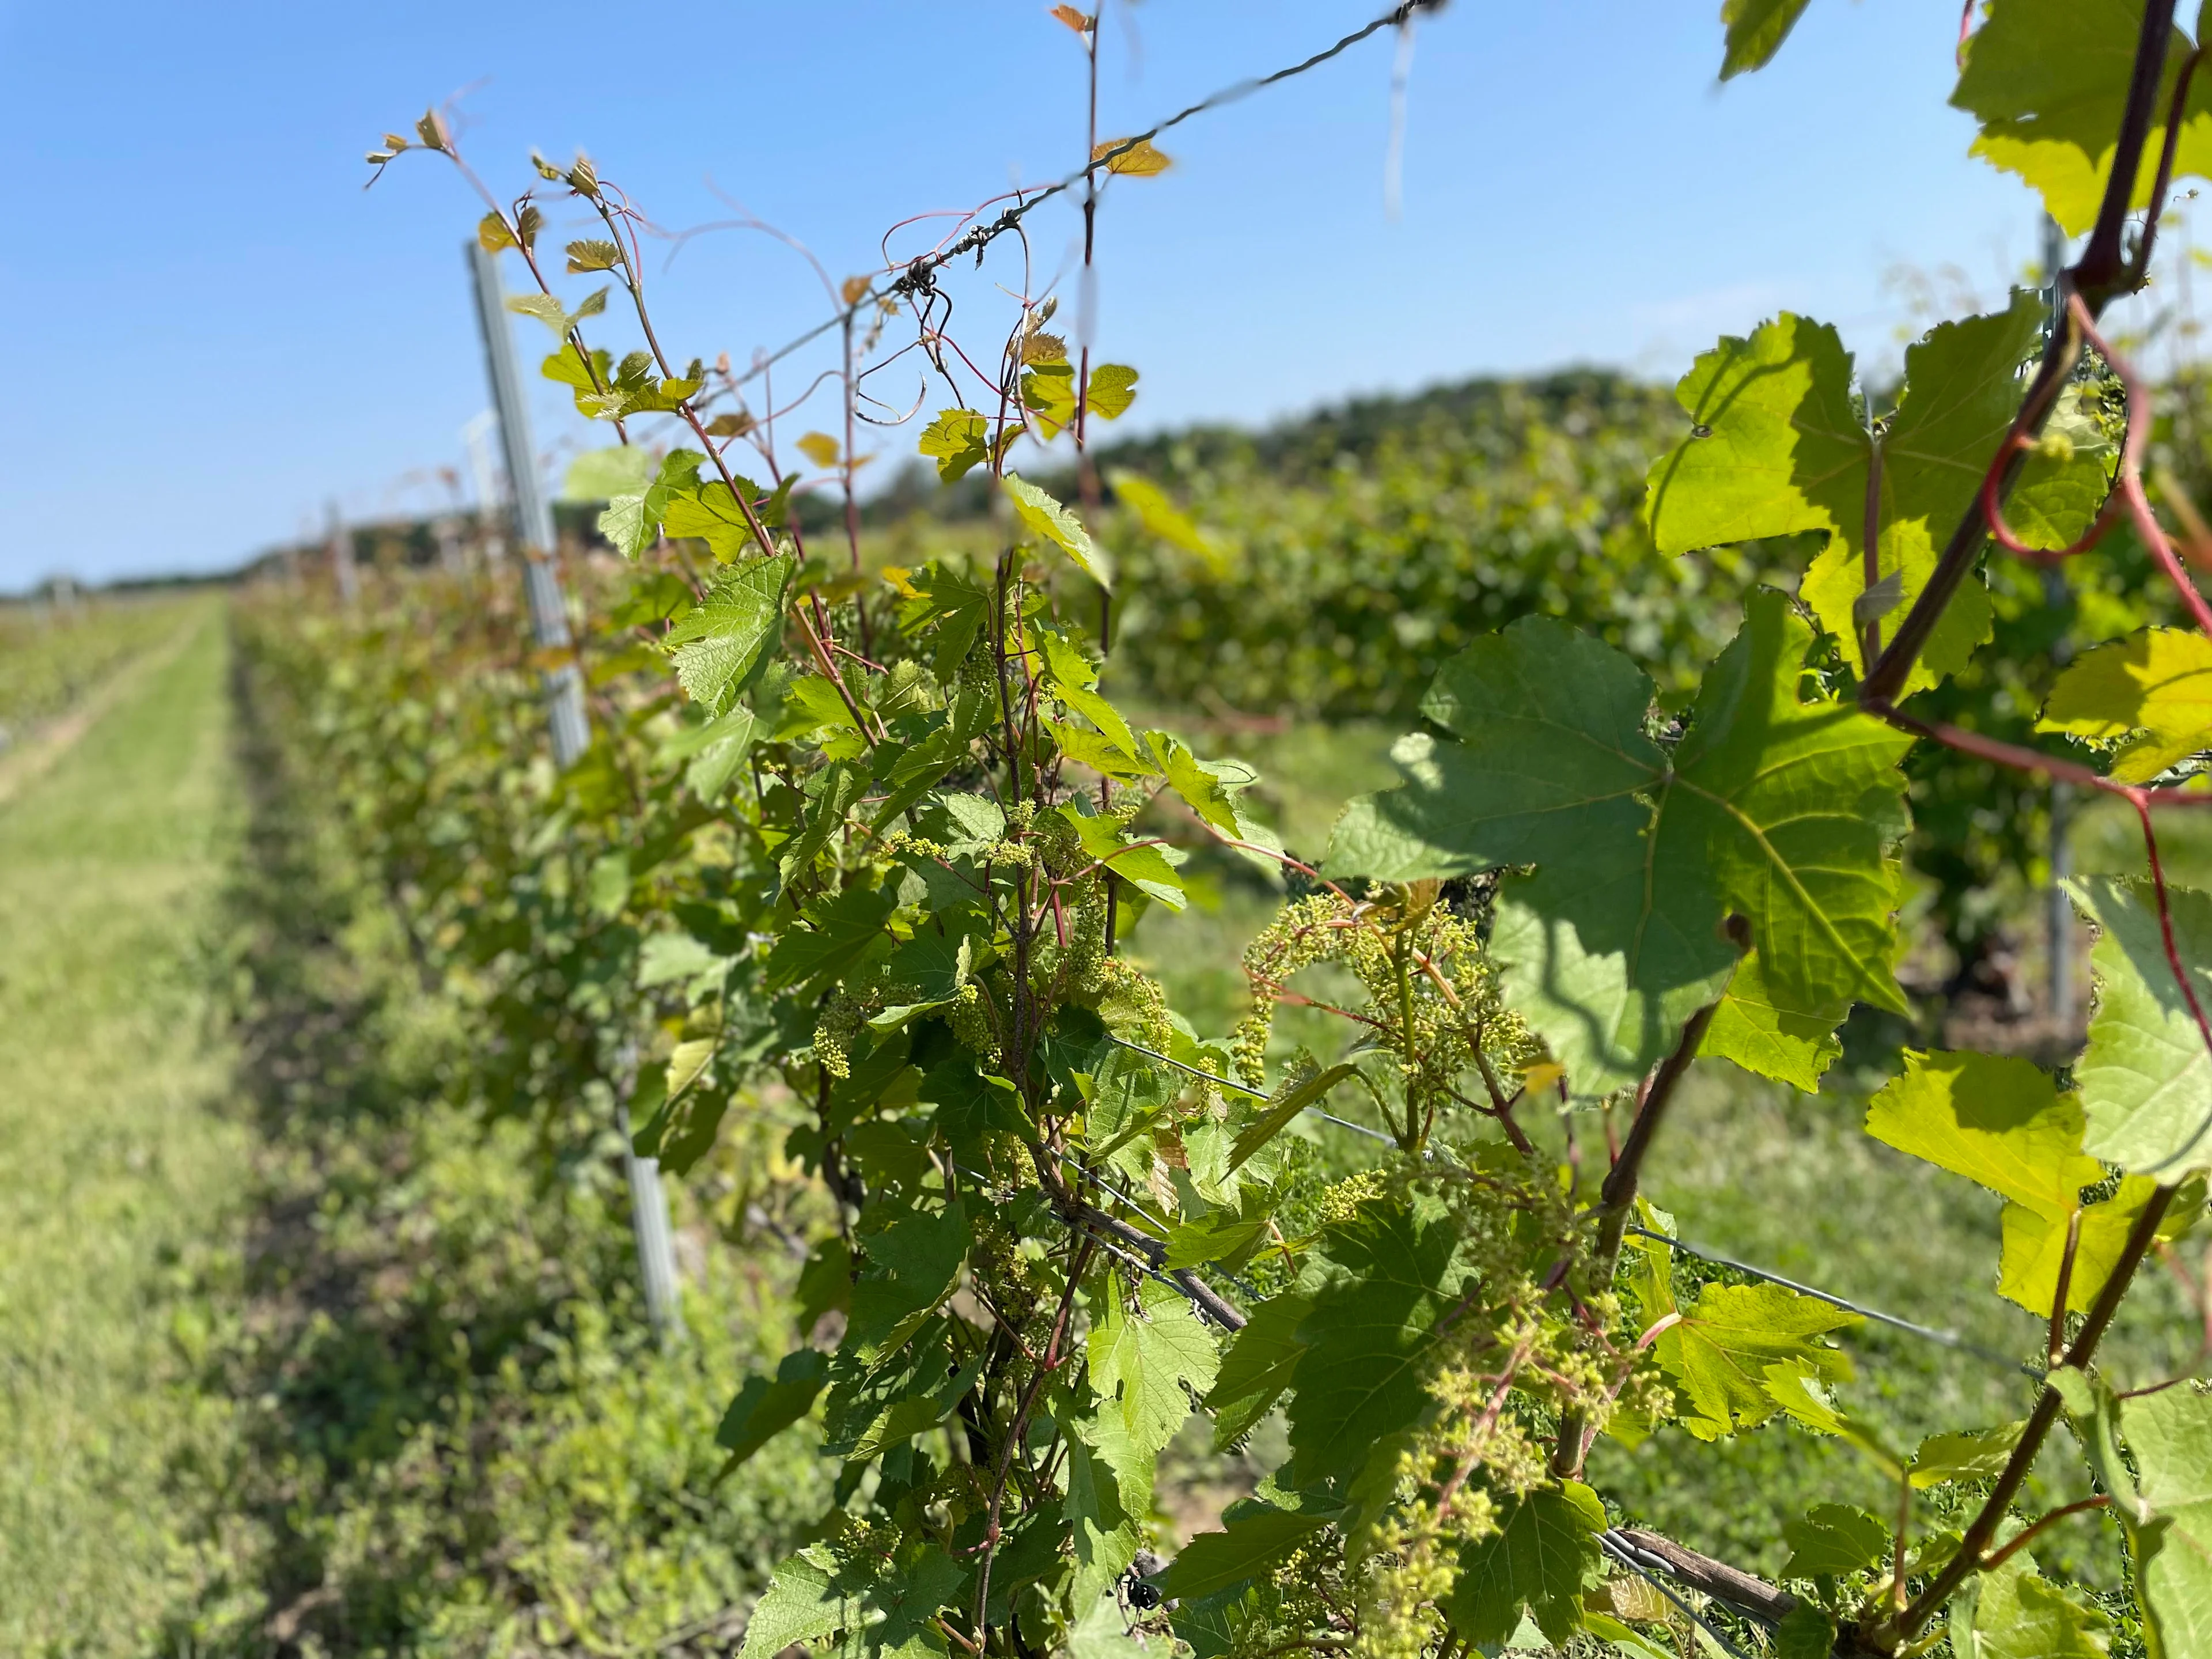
x=1749, y=1027
x=945, y=598
x=1777, y=809
x=1071, y=677
x=1756, y=30
x=1049, y=520
x=1109, y=1496
x=1381, y=1283
x=1142, y=1361
x=1254, y=1541
x=2014, y=1614
x=1544, y=1555
x=599, y=475
x=1833, y=1538
x=913, y=1259
x=1261, y=1363
x=2002, y=1123
x=1779, y=447
x=1978, y=1456
x=632, y=518
x=804, y=1602
x=957, y=440
x=1719, y=1353
x=718, y=645
x=1162, y=518
x=2154, y=687
x=2170, y=1433
x=1145, y=868
x=765, y=1407
x=2146, y=1078
x=2047, y=80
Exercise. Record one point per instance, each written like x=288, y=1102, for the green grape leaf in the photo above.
x=1833, y=1538
x=1162, y=518
x=1071, y=677
x=1223, y=1235
x=957, y=439
x=632, y=520
x=2153, y=687
x=831, y=794
x=1141, y=1362
x=1779, y=447
x=547, y=310
x=1800, y=1389
x=718, y=645
x=2170, y=1433
x=840, y=928
x=2067, y=477
x=1750, y=1029
x=2019, y=1615
x=1261, y=1363
x=1285, y=1104
x=710, y=511
x=2146, y=1078
x=1113, y=388
x=1719, y=1353
x=971, y=1105
x=1146, y=868
x=1775, y=809
x=1805, y=1633
x=1544, y=1555
x=765, y=1407
x=1982, y=1455
x=2047, y=80
x=804, y=1603
x=1048, y=520
x=1756, y=30
x=875, y=1405
x=1109, y=1497
x=1383, y=1282
x=941, y=596
x=913, y=1258
x=716, y=749
x=1254, y=1541
x=599, y=475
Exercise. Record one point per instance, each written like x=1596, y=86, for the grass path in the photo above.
x=126, y=1171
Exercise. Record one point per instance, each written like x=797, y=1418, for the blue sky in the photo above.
x=215, y=330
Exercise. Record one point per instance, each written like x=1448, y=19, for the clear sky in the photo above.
x=215, y=330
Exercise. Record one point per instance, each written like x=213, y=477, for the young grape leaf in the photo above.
x=1286, y=1104
x=957, y=439
x=830, y=795
x=716, y=751
x=549, y=310
x=1777, y=809
x=1255, y=1540
x=1145, y=868
x=1833, y=1538
x=840, y=928
x=2146, y=1078
x=1719, y=1353
x=2170, y=1433
x=971, y=1105
x=1979, y=1456
x=1134, y=157
x=599, y=475
x=1142, y=1361
x=1543, y=1556
x=632, y=520
x=1071, y=677
x=2048, y=79
x=1047, y=520
x=1381, y=1284
x=2016, y=1614
x=2155, y=688
x=764, y=1408
x=945, y=598
x=1261, y=1363
x=1756, y=30
x=732, y=631
x=710, y=511
x=1750, y=1029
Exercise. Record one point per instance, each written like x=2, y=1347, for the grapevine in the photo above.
x=860, y=861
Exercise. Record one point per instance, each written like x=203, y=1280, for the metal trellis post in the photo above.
x=571, y=733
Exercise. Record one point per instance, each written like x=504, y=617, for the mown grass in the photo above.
x=126, y=1171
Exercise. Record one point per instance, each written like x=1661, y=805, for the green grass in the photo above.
x=124, y=1168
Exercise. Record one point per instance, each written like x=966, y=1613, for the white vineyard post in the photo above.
x=571, y=734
